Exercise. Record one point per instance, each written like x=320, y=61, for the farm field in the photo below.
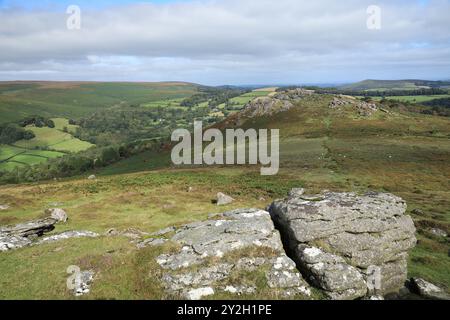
x=53, y=139
x=29, y=152
x=12, y=157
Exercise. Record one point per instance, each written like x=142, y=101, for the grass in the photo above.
x=12, y=157
x=413, y=99
x=54, y=139
x=61, y=123
x=29, y=152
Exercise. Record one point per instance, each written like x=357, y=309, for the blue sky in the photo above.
x=225, y=41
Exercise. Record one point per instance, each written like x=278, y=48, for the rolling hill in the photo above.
x=385, y=85
x=76, y=99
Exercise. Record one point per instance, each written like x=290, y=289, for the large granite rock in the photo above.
x=348, y=245
x=188, y=273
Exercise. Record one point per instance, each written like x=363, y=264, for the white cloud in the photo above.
x=230, y=41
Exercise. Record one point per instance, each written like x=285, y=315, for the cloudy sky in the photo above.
x=225, y=41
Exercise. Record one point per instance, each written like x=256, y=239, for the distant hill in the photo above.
x=395, y=85
x=75, y=99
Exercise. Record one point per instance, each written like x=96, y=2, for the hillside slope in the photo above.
x=76, y=99
x=395, y=85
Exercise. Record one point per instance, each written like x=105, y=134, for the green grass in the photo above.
x=61, y=123
x=7, y=151
x=27, y=152
x=53, y=139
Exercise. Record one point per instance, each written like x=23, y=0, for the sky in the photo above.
x=217, y=42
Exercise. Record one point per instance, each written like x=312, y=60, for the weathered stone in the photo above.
x=233, y=230
x=58, y=214
x=29, y=229
x=329, y=272
x=284, y=275
x=419, y=212
x=67, y=235
x=197, y=294
x=223, y=199
x=81, y=282
x=151, y=242
x=239, y=290
x=265, y=106
x=428, y=290
x=163, y=231
x=438, y=232
x=13, y=242
x=4, y=207
x=92, y=177
x=296, y=192
x=131, y=233
x=337, y=238
x=250, y=264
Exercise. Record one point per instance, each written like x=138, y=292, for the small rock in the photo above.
x=418, y=212
x=296, y=192
x=223, y=199
x=163, y=231
x=4, y=207
x=190, y=189
x=82, y=282
x=428, y=290
x=58, y=214
x=438, y=232
x=240, y=290
x=197, y=294
x=92, y=177
x=151, y=242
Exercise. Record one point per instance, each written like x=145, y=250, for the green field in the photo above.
x=48, y=143
x=412, y=99
x=73, y=100
x=53, y=139
x=61, y=123
x=12, y=157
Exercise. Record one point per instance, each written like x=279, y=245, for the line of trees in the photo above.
x=76, y=164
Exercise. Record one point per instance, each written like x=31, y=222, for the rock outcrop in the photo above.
x=30, y=229
x=30, y=233
x=188, y=274
x=266, y=106
x=348, y=245
x=364, y=109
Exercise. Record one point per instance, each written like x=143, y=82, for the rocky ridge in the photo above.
x=348, y=245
